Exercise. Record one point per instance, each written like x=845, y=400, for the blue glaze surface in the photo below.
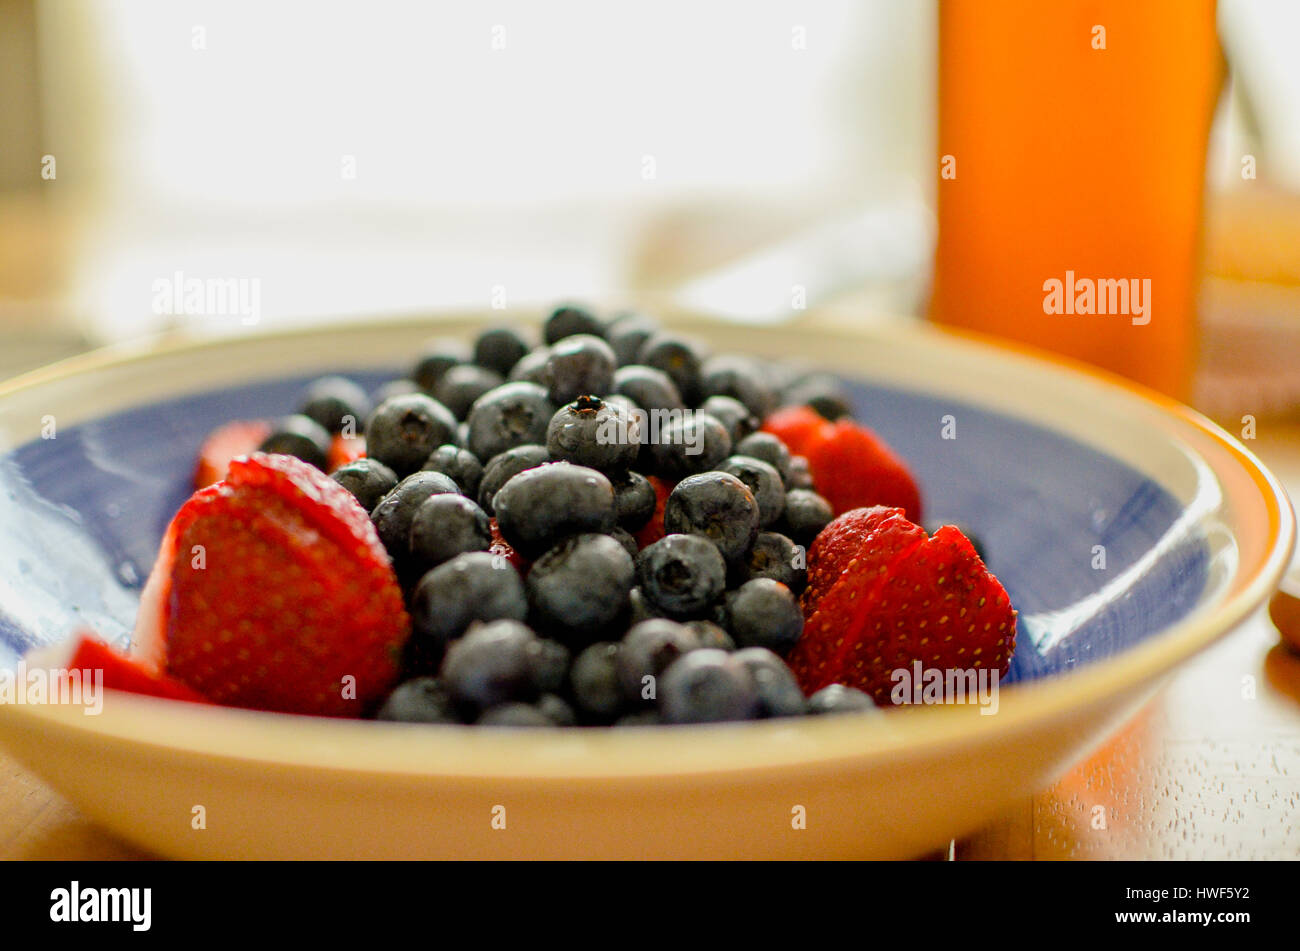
x=81, y=517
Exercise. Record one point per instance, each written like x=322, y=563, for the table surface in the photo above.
x=1210, y=769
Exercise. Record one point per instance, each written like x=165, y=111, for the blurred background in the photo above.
x=758, y=160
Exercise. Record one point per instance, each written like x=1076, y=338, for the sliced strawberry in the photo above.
x=853, y=467
x=345, y=449
x=866, y=539
x=124, y=672
x=799, y=427
x=225, y=443
x=281, y=596
x=933, y=602
x=653, y=530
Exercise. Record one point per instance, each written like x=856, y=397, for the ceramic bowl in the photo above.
x=1130, y=533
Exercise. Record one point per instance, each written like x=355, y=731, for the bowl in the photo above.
x=1130, y=533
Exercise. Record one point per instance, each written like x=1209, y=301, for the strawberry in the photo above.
x=653, y=530
x=223, y=444
x=345, y=449
x=271, y=590
x=799, y=427
x=927, y=599
x=126, y=672
x=853, y=467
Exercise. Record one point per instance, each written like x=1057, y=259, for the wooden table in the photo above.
x=1210, y=769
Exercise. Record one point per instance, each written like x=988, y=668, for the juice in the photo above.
x=1072, y=141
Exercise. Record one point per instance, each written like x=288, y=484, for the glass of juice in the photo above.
x=1072, y=141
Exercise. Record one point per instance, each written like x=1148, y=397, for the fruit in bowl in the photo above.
x=1047, y=463
x=660, y=550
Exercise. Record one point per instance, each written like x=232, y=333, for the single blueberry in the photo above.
x=459, y=465
x=513, y=414
x=403, y=430
x=579, y=588
x=369, y=480
x=707, y=686
x=336, y=403
x=300, y=436
x=472, y=587
x=764, y=613
x=540, y=506
x=503, y=467
x=489, y=666
x=681, y=575
x=445, y=526
x=717, y=506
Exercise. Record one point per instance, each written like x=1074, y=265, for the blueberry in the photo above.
x=800, y=474
x=569, y=320
x=369, y=480
x=634, y=500
x=499, y=349
x=333, y=401
x=777, y=557
x=531, y=367
x=470, y=587
x=624, y=538
x=707, y=686
x=594, y=682
x=732, y=414
x=627, y=332
x=645, y=652
x=537, y=508
x=462, y=385
x=768, y=448
x=681, y=575
x=515, y=715
x=459, y=465
x=778, y=690
x=651, y=389
x=806, y=514
x=690, y=443
x=581, y=365
x=403, y=430
x=436, y=358
x=591, y=432
x=711, y=635
x=549, y=662
x=763, y=481
x=679, y=358
x=513, y=414
x=838, y=698
x=820, y=391
x=764, y=613
x=419, y=700
x=501, y=468
x=396, y=510
x=717, y=506
x=556, y=710
x=399, y=387
x=299, y=436
x=489, y=666
x=579, y=588
x=740, y=378
x=445, y=526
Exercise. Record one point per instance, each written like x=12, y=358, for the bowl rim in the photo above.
x=251, y=738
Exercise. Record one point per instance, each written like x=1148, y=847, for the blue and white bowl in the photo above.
x=1129, y=532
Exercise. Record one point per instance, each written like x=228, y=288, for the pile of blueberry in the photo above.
x=513, y=486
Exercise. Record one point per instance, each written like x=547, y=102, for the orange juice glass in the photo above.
x=1072, y=141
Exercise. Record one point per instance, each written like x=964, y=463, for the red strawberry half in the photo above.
x=895, y=602
x=853, y=467
x=273, y=591
x=225, y=443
